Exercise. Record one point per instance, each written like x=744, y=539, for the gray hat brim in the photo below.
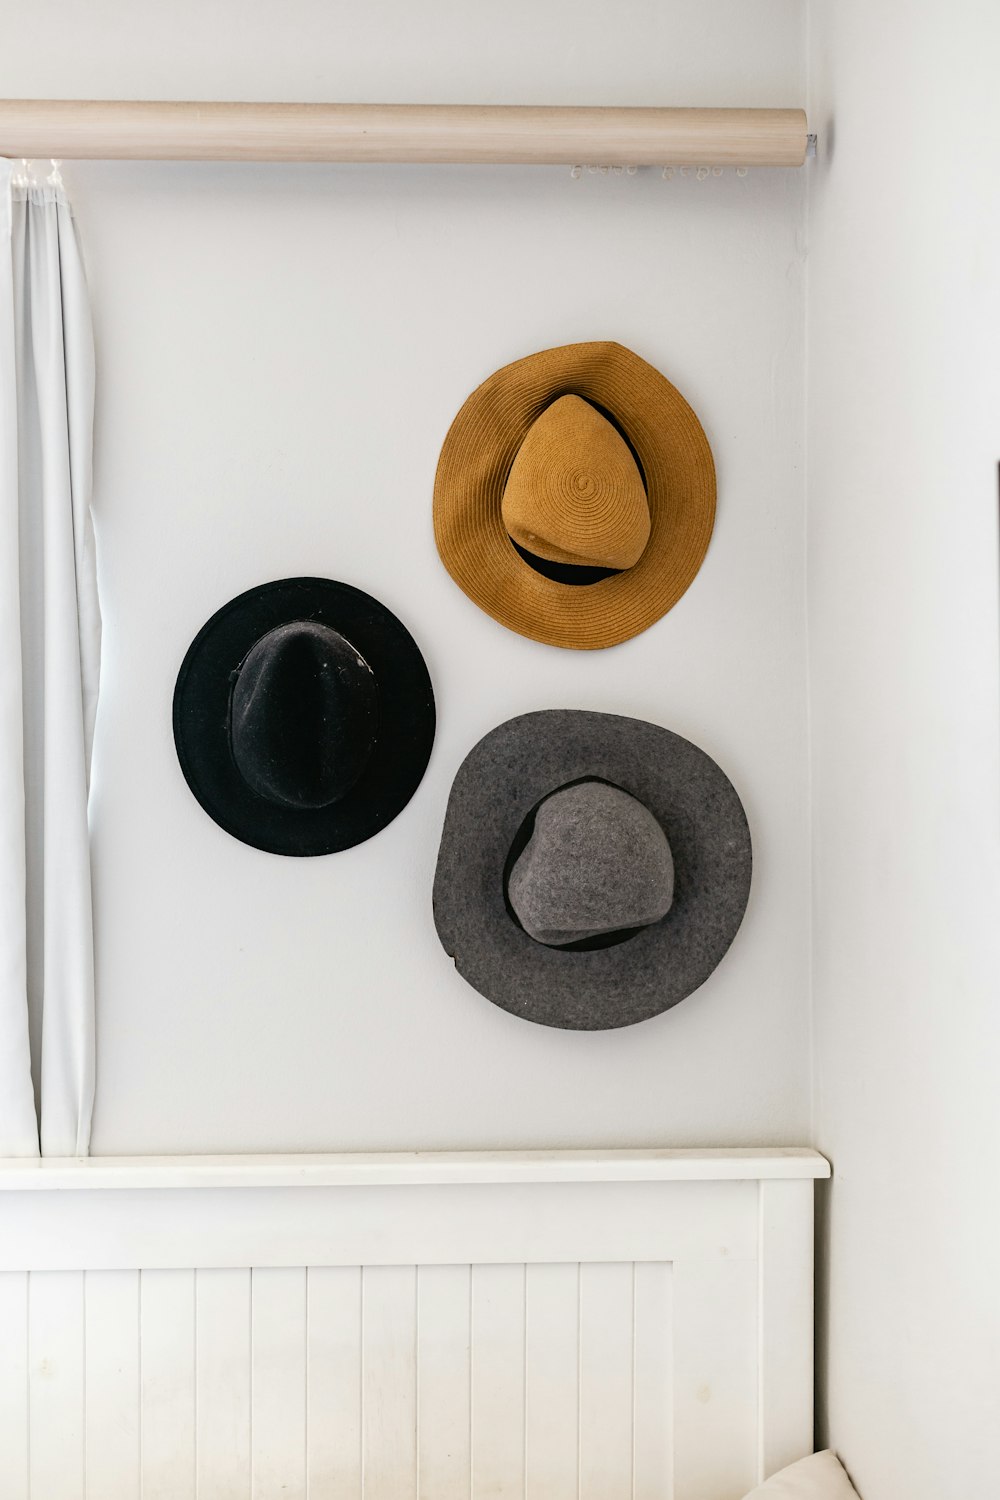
x=507, y=774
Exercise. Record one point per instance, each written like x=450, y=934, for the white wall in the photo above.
x=903, y=442
x=281, y=351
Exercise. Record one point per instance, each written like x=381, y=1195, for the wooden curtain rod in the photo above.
x=460, y=133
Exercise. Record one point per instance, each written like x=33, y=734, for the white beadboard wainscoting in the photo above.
x=454, y=1326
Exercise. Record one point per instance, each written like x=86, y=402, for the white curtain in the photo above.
x=49, y=659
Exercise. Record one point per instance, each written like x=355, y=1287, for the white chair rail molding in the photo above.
x=441, y=1324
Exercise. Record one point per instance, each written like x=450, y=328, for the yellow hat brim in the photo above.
x=476, y=458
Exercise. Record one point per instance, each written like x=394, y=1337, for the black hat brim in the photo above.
x=508, y=773
x=201, y=717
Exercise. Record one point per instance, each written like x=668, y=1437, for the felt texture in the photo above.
x=480, y=455
x=597, y=862
x=303, y=715
x=512, y=770
x=386, y=760
x=821, y=1476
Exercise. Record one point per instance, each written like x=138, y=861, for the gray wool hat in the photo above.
x=597, y=862
x=593, y=869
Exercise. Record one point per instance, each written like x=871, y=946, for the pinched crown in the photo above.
x=574, y=493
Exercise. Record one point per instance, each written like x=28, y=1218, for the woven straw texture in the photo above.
x=574, y=494
x=482, y=444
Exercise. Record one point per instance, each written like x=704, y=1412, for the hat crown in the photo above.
x=303, y=715
x=597, y=862
x=574, y=493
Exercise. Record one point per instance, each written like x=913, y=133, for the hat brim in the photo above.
x=406, y=717
x=476, y=459
x=510, y=770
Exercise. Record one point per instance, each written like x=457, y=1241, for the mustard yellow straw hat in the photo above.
x=575, y=496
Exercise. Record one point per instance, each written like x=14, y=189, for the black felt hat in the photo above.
x=593, y=869
x=303, y=716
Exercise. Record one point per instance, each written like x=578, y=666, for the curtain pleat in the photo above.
x=49, y=663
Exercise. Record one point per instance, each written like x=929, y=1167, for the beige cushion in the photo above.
x=817, y=1478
